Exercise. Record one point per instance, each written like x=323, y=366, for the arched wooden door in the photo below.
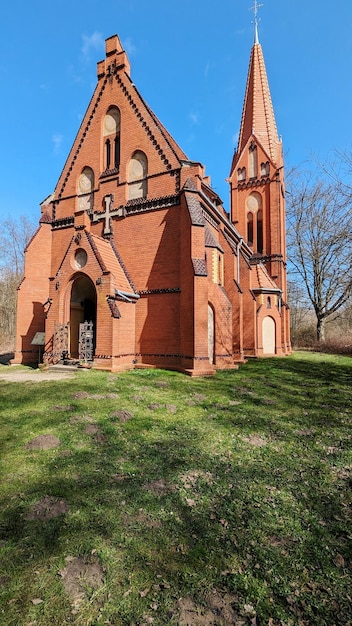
x=268, y=330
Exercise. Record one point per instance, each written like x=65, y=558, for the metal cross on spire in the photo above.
x=256, y=19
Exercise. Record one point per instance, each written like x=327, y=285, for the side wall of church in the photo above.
x=32, y=294
x=232, y=274
x=187, y=299
x=250, y=340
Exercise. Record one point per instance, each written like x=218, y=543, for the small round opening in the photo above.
x=80, y=258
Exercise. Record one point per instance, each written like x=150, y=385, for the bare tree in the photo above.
x=338, y=169
x=14, y=237
x=301, y=314
x=8, y=296
x=320, y=244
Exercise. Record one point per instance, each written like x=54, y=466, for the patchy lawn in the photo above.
x=152, y=498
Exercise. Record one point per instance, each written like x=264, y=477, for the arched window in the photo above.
x=111, y=134
x=85, y=190
x=255, y=222
x=265, y=169
x=137, y=176
x=268, y=302
x=241, y=174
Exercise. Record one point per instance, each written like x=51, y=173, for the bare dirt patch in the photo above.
x=280, y=542
x=91, y=429
x=255, y=440
x=142, y=518
x=63, y=407
x=190, y=479
x=196, y=398
x=81, y=419
x=48, y=508
x=100, y=438
x=43, y=442
x=80, y=577
x=95, y=396
x=159, y=487
x=154, y=406
x=122, y=415
x=218, y=610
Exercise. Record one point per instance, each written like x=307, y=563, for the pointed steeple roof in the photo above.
x=258, y=118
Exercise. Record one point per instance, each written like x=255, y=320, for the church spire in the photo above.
x=258, y=118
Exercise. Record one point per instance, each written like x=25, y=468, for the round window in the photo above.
x=80, y=258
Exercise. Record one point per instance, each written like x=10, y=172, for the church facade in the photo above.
x=136, y=263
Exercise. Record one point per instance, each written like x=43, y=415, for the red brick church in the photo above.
x=137, y=263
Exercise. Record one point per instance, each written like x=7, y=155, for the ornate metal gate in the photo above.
x=86, y=342
x=61, y=337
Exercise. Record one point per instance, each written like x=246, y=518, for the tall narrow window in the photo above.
x=111, y=133
x=221, y=270
x=211, y=334
x=250, y=229
x=86, y=190
x=137, y=176
x=107, y=154
x=260, y=231
x=255, y=222
x=253, y=164
x=117, y=151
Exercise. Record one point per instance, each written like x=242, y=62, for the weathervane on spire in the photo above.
x=256, y=19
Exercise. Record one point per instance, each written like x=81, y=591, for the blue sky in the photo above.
x=189, y=60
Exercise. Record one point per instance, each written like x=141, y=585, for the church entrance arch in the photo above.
x=83, y=308
x=268, y=330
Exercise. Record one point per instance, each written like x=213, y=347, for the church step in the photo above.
x=60, y=367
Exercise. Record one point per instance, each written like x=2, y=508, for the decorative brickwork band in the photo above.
x=151, y=292
x=65, y=222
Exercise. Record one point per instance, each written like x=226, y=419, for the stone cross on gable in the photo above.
x=108, y=206
x=108, y=213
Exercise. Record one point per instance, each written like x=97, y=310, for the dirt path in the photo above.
x=36, y=376
x=14, y=375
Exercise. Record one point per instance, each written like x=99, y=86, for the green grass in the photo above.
x=237, y=485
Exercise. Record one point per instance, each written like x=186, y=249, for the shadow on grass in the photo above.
x=158, y=500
